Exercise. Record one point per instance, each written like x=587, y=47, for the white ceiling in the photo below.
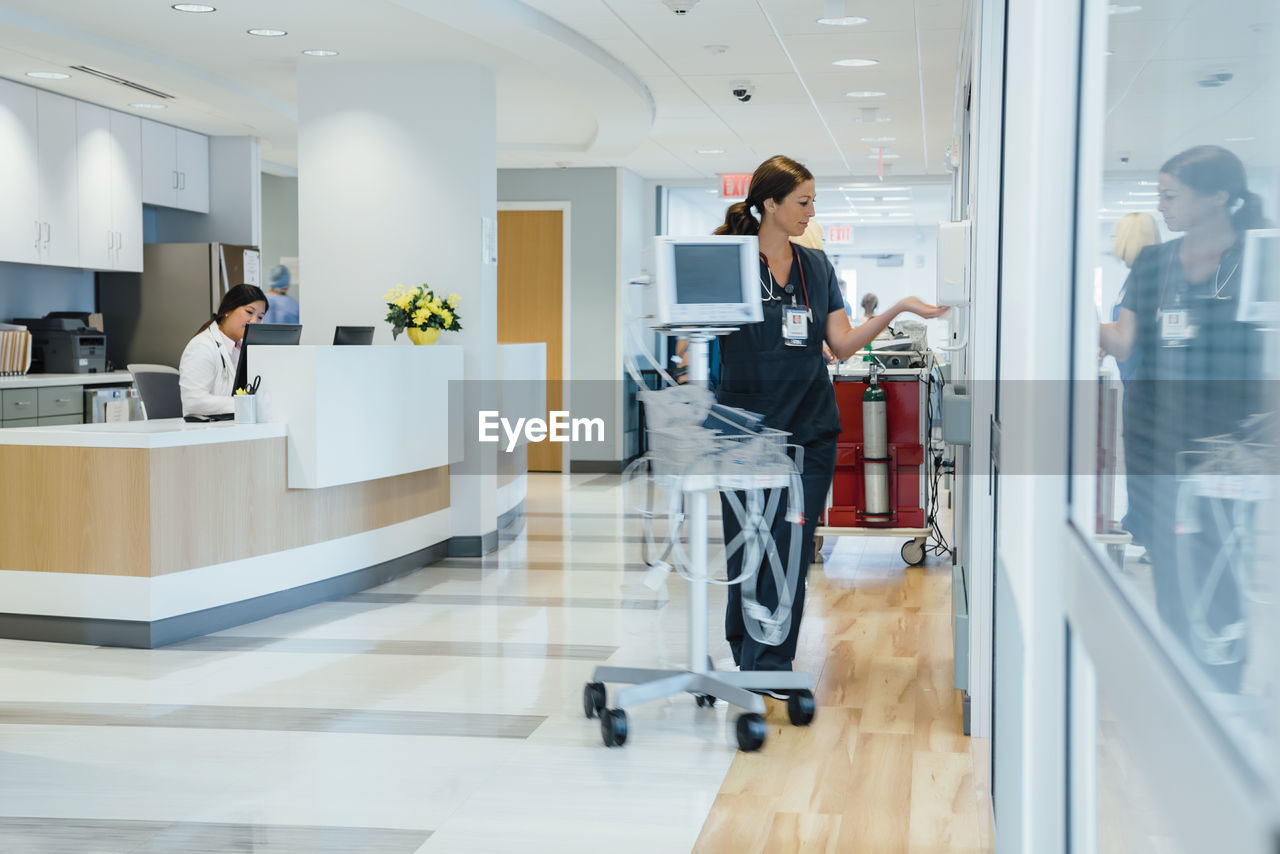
x=580, y=82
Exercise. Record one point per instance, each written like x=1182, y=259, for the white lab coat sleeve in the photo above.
x=204, y=389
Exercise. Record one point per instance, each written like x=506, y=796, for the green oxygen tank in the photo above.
x=875, y=449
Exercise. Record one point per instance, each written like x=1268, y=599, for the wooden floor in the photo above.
x=885, y=768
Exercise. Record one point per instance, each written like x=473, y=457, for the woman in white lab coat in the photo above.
x=208, y=367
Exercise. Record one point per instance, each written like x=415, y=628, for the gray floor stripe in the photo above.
x=468, y=568
x=368, y=722
x=345, y=646
x=505, y=599
x=107, y=836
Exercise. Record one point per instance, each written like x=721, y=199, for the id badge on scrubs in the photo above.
x=1176, y=329
x=795, y=326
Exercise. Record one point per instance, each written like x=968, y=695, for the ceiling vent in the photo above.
x=122, y=81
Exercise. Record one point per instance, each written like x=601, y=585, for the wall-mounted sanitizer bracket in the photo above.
x=953, y=275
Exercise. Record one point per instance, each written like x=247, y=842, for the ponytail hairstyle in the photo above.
x=241, y=294
x=1209, y=169
x=773, y=179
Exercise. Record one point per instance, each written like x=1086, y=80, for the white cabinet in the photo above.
x=38, y=220
x=59, y=188
x=109, y=155
x=20, y=228
x=175, y=167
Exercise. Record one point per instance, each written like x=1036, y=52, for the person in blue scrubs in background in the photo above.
x=784, y=379
x=281, y=308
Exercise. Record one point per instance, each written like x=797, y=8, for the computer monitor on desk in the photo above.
x=352, y=335
x=263, y=334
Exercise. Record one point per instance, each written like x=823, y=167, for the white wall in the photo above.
x=27, y=290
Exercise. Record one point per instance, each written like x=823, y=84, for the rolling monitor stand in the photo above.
x=700, y=678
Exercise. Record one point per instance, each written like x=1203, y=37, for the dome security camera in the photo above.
x=680, y=7
x=742, y=91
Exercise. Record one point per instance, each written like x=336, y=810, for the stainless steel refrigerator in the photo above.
x=149, y=317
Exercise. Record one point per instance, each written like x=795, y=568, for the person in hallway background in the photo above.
x=281, y=308
x=1134, y=232
x=869, y=303
x=208, y=366
x=1198, y=376
x=784, y=377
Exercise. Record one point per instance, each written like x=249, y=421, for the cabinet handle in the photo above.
x=62, y=400
x=119, y=240
x=37, y=235
x=175, y=179
x=182, y=178
x=48, y=233
x=111, y=242
x=22, y=403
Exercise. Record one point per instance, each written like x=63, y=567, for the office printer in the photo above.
x=62, y=343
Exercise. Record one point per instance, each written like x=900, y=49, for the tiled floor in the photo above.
x=439, y=713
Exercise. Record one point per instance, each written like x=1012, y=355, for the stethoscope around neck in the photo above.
x=768, y=295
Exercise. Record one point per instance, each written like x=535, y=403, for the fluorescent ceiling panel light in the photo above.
x=1148, y=184
x=711, y=151
x=865, y=93
x=899, y=214
x=843, y=21
x=874, y=186
x=856, y=63
x=1115, y=9
x=1137, y=204
x=48, y=75
x=192, y=7
x=879, y=139
x=266, y=32
x=1136, y=193
x=884, y=156
x=140, y=106
x=896, y=199
x=319, y=52
x=1240, y=139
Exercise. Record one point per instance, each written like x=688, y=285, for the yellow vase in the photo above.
x=423, y=336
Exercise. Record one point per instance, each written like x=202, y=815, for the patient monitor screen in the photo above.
x=707, y=274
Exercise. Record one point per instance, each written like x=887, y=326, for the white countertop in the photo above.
x=162, y=433
x=37, y=380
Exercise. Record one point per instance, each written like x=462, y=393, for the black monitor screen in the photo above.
x=263, y=333
x=353, y=335
x=707, y=273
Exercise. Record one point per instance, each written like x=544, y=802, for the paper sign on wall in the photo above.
x=489, y=241
x=253, y=267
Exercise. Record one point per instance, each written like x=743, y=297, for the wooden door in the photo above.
x=530, y=301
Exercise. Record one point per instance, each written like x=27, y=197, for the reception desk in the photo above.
x=148, y=532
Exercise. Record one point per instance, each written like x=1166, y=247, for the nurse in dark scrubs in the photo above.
x=782, y=375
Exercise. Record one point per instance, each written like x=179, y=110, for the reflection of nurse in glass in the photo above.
x=1196, y=377
x=783, y=376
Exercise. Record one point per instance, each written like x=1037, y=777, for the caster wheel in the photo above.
x=613, y=727
x=801, y=707
x=704, y=701
x=593, y=698
x=751, y=732
x=913, y=552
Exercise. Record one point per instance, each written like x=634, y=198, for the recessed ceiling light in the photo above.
x=193, y=7
x=48, y=75
x=1240, y=139
x=883, y=156
x=319, y=52
x=711, y=151
x=140, y=106
x=896, y=199
x=865, y=93
x=1122, y=10
x=843, y=21
x=856, y=63
x=879, y=139
x=261, y=31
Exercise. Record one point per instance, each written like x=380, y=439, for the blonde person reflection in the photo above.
x=1134, y=232
x=1197, y=376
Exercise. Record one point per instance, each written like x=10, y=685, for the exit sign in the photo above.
x=735, y=186
x=839, y=234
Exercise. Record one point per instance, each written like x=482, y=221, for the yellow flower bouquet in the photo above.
x=420, y=308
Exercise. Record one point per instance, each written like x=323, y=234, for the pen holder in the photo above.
x=246, y=408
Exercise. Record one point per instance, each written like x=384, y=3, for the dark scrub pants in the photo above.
x=790, y=388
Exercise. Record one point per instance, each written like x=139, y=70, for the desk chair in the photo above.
x=158, y=388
